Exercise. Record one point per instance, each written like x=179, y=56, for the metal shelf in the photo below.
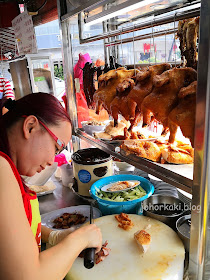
x=180, y=176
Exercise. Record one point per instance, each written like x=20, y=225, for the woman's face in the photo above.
x=40, y=148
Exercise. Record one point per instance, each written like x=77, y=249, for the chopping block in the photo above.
x=164, y=259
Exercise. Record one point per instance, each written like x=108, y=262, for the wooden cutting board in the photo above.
x=163, y=261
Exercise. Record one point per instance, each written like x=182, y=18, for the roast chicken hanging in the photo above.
x=183, y=115
x=155, y=92
x=129, y=98
x=164, y=96
x=108, y=83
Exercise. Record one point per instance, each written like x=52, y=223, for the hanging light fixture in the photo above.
x=118, y=10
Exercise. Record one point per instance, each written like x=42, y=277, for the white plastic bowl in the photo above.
x=90, y=129
x=124, y=166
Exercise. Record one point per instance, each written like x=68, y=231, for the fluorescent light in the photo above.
x=117, y=10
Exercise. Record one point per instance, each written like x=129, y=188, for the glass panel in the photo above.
x=153, y=50
x=82, y=53
x=42, y=75
x=119, y=13
x=148, y=51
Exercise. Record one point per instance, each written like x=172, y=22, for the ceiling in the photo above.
x=7, y=42
x=42, y=12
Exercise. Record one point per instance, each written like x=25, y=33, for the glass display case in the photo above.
x=32, y=73
x=137, y=34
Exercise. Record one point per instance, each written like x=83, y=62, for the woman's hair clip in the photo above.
x=10, y=104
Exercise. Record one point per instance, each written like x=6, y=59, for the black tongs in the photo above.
x=89, y=257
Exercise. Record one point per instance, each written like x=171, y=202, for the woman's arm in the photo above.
x=20, y=257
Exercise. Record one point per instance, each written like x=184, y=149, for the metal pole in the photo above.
x=69, y=81
x=199, y=240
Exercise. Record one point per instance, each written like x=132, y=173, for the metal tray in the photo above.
x=180, y=176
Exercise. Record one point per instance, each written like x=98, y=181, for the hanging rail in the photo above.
x=140, y=26
x=141, y=37
x=161, y=12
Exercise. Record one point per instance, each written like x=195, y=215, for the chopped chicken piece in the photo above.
x=177, y=155
x=102, y=254
x=145, y=149
x=143, y=239
x=124, y=221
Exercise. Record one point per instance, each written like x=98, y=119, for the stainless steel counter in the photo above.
x=60, y=198
x=64, y=197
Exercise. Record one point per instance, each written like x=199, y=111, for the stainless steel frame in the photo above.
x=199, y=244
x=69, y=81
x=146, y=24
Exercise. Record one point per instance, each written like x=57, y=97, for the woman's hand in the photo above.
x=57, y=236
x=91, y=235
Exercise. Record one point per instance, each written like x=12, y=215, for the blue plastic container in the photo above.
x=111, y=207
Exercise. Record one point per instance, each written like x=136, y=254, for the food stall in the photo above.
x=139, y=33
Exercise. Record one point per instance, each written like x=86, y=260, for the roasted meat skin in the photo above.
x=90, y=78
x=183, y=114
x=191, y=53
x=103, y=253
x=68, y=219
x=188, y=34
x=181, y=154
x=181, y=40
x=124, y=221
x=160, y=151
x=108, y=83
x=164, y=97
x=88, y=83
x=145, y=149
x=128, y=102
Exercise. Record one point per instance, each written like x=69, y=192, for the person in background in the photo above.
x=83, y=112
x=35, y=128
x=6, y=91
x=82, y=108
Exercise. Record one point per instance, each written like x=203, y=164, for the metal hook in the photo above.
x=150, y=47
x=134, y=50
x=117, y=51
x=153, y=39
x=121, y=44
x=165, y=45
x=86, y=14
x=174, y=38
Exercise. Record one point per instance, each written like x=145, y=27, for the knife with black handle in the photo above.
x=89, y=256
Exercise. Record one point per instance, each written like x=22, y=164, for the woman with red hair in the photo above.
x=35, y=128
